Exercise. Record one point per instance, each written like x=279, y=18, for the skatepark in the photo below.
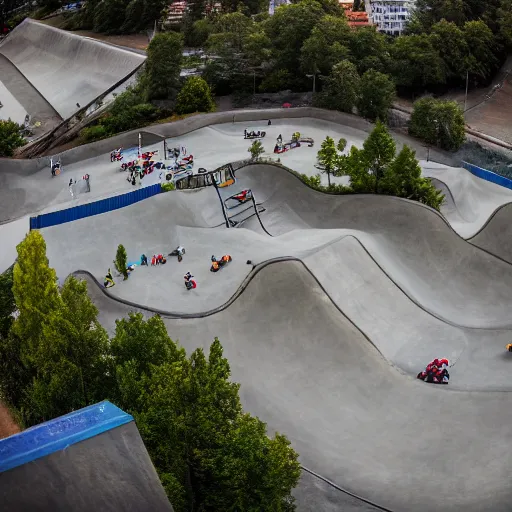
x=329, y=309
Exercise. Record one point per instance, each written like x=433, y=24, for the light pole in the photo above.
x=313, y=76
x=466, y=96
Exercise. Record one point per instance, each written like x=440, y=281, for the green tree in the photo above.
x=379, y=150
x=215, y=457
x=289, y=28
x=341, y=88
x=415, y=62
x=195, y=96
x=402, y=178
x=429, y=12
x=7, y=303
x=133, y=16
x=504, y=19
x=121, y=261
x=327, y=45
x=108, y=16
x=10, y=137
x=36, y=293
x=71, y=370
x=196, y=32
x=369, y=49
x=161, y=77
x=439, y=123
x=377, y=93
x=256, y=149
x=327, y=156
x=482, y=48
x=449, y=41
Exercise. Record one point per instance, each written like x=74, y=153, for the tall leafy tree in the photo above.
x=482, y=48
x=415, y=62
x=341, y=87
x=377, y=93
x=327, y=157
x=402, y=178
x=289, y=28
x=369, y=49
x=504, y=22
x=71, y=368
x=35, y=291
x=449, y=41
x=163, y=66
x=327, y=45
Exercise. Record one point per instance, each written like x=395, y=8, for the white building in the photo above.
x=389, y=16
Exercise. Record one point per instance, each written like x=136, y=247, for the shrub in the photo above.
x=168, y=186
x=121, y=261
x=10, y=137
x=93, y=133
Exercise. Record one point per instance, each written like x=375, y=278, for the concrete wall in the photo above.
x=65, y=68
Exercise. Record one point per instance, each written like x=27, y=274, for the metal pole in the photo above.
x=466, y=96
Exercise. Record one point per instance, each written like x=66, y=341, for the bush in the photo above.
x=93, y=133
x=10, y=138
x=195, y=96
x=168, y=186
x=437, y=122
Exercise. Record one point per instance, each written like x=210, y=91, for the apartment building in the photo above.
x=389, y=16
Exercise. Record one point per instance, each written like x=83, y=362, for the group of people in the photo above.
x=436, y=372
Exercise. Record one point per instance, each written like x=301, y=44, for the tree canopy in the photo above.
x=10, y=137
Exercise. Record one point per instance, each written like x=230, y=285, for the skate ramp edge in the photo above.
x=66, y=68
x=58, y=434
x=486, y=175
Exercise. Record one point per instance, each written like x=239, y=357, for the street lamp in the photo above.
x=313, y=76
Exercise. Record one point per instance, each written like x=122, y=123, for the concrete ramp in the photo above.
x=91, y=459
x=65, y=68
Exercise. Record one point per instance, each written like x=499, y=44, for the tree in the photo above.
x=504, y=18
x=214, y=456
x=7, y=303
x=379, y=150
x=108, y=16
x=449, y=41
x=35, y=292
x=163, y=66
x=327, y=45
x=327, y=156
x=341, y=87
x=121, y=261
x=256, y=149
x=71, y=370
x=482, y=48
x=369, y=49
x=377, y=93
x=402, y=178
x=289, y=28
x=195, y=96
x=437, y=122
x=415, y=62
x=429, y=12
x=10, y=138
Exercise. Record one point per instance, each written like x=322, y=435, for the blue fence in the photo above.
x=97, y=207
x=488, y=175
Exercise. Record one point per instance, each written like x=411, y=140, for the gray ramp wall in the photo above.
x=109, y=472
x=65, y=68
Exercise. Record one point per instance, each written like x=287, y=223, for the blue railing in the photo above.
x=96, y=208
x=488, y=175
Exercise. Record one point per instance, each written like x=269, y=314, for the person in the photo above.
x=153, y=261
x=159, y=259
x=109, y=280
x=144, y=260
x=269, y=122
x=71, y=188
x=279, y=139
x=215, y=266
x=189, y=282
x=85, y=177
x=180, y=250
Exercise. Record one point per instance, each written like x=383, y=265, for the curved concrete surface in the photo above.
x=496, y=235
x=475, y=199
x=65, y=68
x=307, y=371
x=326, y=345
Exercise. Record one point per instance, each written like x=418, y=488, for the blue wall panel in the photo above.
x=96, y=208
x=488, y=175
